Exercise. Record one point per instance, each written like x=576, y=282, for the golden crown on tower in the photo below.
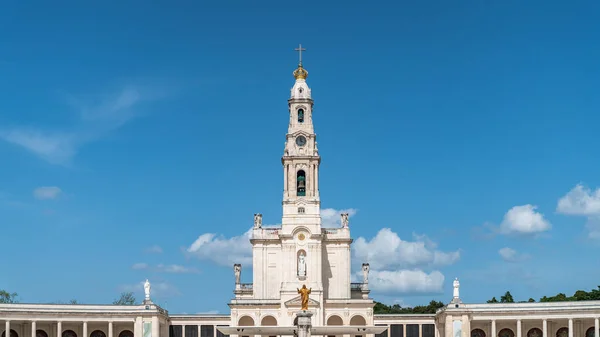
x=300, y=73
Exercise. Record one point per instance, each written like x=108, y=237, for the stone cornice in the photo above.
x=84, y=311
x=349, y=301
x=204, y=317
x=301, y=100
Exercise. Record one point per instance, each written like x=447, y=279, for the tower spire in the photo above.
x=301, y=201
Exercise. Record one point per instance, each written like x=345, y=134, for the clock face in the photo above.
x=300, y=141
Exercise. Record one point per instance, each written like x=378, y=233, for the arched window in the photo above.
x=562, y=332
x=97, y=333
x=477, y=333
x=590, y=332
x=506, y=332
x=41, y=333
x=69, y=333
x=300, y=116
x=301, y=184
x=535, y=332
x=126, y=333
x=13, y=333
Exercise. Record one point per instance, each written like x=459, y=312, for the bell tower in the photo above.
x=301, y=202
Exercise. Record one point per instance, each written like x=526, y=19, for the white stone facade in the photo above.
x=301, y=252
x=278, y=270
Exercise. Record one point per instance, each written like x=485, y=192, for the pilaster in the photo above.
x=447, y=328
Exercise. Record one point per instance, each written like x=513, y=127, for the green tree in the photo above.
x=493, y=300
x=431, y=308
x=73, y=302
x=6, y=297
x=531, y=300
x=507, y=298
x=126, y=298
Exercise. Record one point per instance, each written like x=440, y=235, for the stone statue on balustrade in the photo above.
x=237, y=270
x=365, y=269
x=344, y=217
x=455, y=293
x=257, y=220
x=147, y=290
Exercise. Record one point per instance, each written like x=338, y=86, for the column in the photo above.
x=493, y=334
x=420, y=330
x=545, y=328
x=33, y=328
x=183, y=330
x=597, y=333
x=518, y=328
x=436, y=332
x=570, y=327
x=7, y=328
x=85, y=330
x=110, y=329
x=58, y=329
x=155, y=327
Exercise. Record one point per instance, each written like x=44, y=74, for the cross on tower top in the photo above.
x=300, y=50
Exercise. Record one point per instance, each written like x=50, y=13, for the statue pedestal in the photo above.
x=304, y=323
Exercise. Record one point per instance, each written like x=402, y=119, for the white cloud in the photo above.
x=583, y=201
x=396, y=264
x=524, y=220
x=139, y=266
x=94, y=120
x=47, y=192
x=406, y=281
x=580, y=201
x=176, y=269
x=332, y=217
x=154, y=249
x=386, y=250
x=593, y=227
x=162, y=268
x=221, y=250
x=510, y=255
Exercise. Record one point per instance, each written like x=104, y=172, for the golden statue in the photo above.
x=304, y=296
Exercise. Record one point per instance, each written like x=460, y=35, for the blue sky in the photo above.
x=460, y=135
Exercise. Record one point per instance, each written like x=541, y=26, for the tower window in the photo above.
x=300, y=116
x=301, y=210
x=301, y=183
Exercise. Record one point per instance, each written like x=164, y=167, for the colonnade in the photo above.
x=127, y=327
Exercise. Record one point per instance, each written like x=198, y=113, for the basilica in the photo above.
x=300, y=255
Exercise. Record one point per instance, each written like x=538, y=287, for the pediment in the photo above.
x=297, y=301
x=301, y=133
